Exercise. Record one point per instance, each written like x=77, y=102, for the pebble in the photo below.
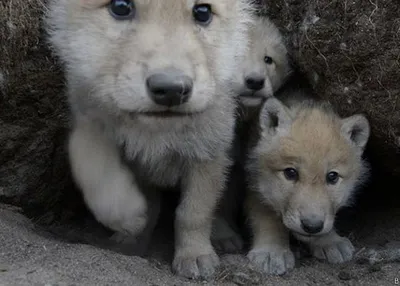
x=375, y=268
x=344, y=275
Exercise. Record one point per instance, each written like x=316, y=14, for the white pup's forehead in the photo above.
x=218, y=6
x=94, y=3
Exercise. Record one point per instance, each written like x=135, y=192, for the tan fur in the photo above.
x=312, y=139
x=119, y=150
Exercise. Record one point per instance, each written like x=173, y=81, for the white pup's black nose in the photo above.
x=255, y=82
x=312, y=225
x=169, y=87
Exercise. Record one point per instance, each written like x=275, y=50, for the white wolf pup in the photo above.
x=266, y=65
x=263, y=70
x=148, y=84
x=306, y=165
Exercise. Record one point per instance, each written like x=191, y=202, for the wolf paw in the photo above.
x=273, y=260
x=129, y=223
x=224, y=238
x=195, y=267
x=337, y=251
x=125, y=213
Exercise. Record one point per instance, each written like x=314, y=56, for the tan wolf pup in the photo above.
x=306, y=165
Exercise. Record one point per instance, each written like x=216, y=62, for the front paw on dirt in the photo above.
x=276, y=261
x=196, y=267
x=339, y=251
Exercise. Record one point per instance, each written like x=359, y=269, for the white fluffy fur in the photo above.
x=265, y=40
x=107, y=62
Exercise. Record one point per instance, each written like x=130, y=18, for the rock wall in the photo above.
x=34, y=115
x=351, y=49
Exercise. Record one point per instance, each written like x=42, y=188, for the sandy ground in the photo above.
x=29, y=256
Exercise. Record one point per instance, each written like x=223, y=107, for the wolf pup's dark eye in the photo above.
x=202, y=13
x=291, y=174
x=332, y=178
x=122, y=9
x=268, y=60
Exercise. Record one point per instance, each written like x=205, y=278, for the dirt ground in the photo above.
x=31, y=256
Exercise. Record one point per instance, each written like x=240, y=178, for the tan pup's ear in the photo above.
x=356, y=129
x=274, y=117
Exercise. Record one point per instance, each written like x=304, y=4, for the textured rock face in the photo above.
x=352, y=49
x=34, y=115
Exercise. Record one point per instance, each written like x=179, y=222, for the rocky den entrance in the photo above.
x=351, y=51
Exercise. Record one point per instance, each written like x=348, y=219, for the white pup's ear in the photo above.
x=274, y=117
x=356, y=129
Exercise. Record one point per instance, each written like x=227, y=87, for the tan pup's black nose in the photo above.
x=169, y=87
x=312, y=225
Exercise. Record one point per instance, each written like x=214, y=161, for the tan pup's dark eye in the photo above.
x=268, y=60
x=122, y=9
x=332, y=178
x=202, y=13
x=291, y=174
